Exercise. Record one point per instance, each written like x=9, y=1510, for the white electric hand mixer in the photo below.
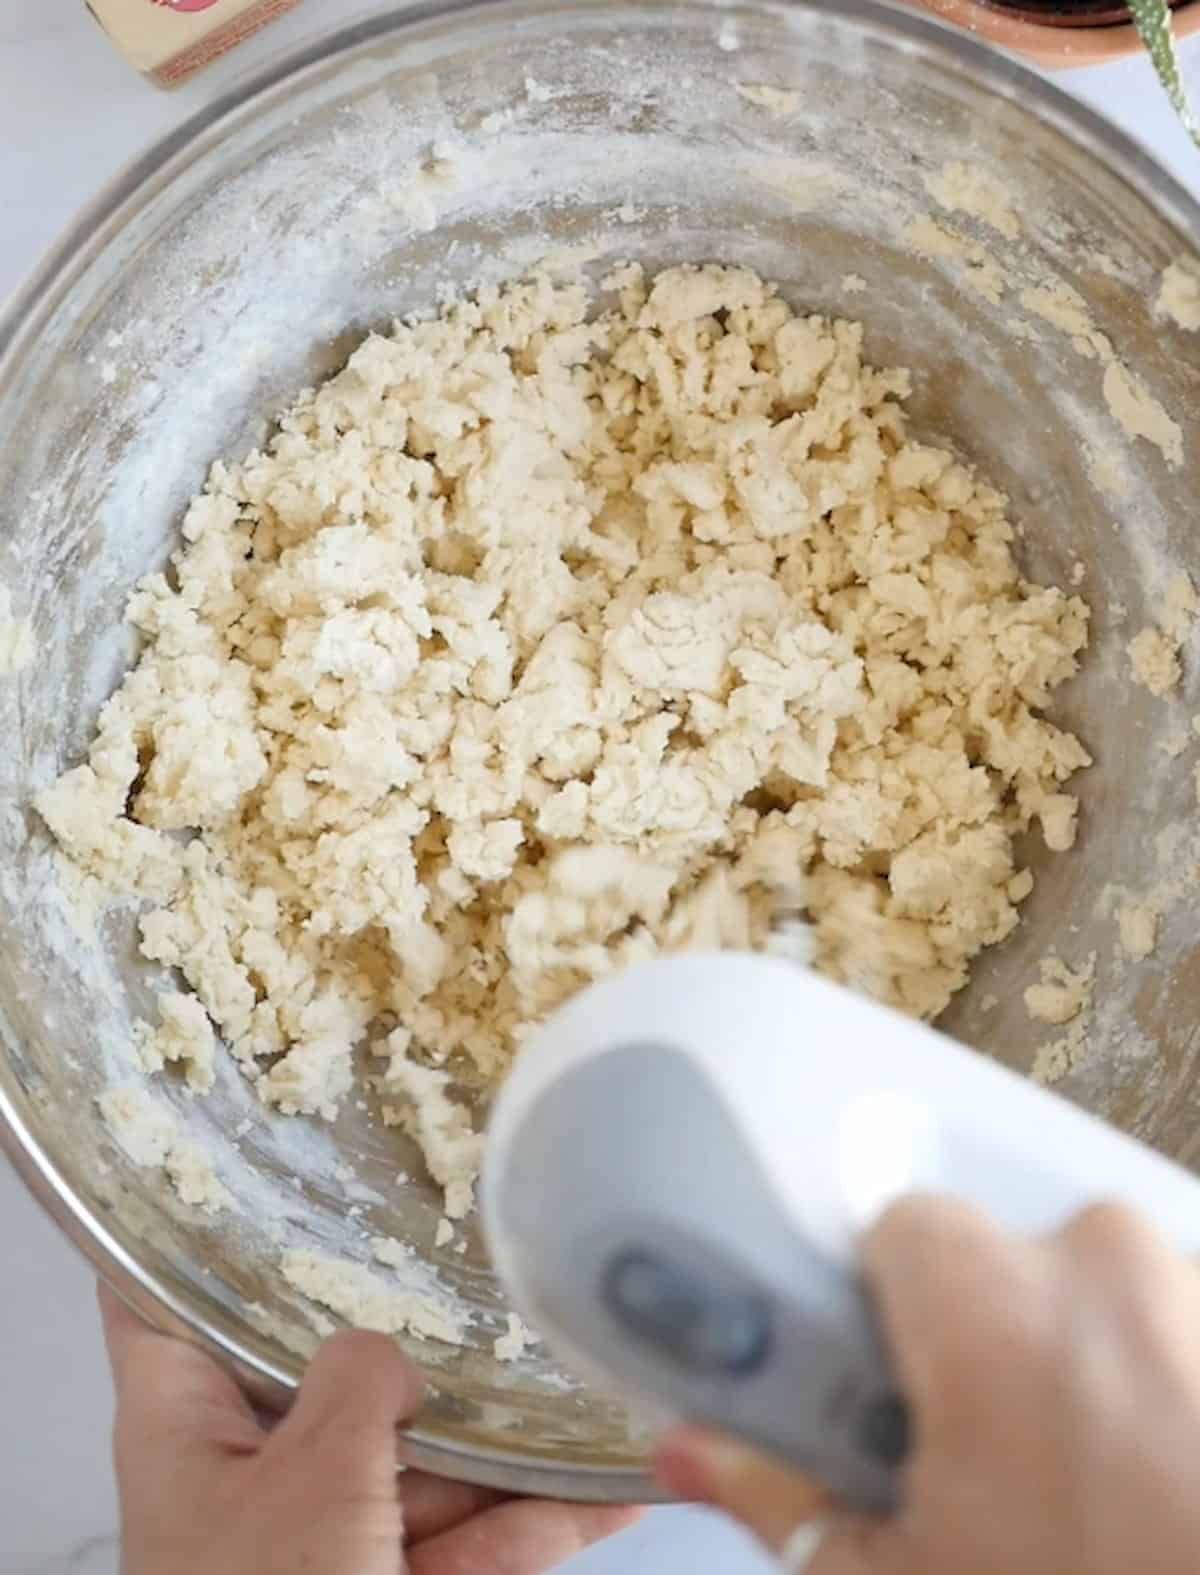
x=680, y=1164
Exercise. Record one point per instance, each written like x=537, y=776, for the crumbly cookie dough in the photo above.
x=1137, y=923
x=1062, y=993
x=1154, y=653
x=966, y=188
x=1058, y=1058
x=1133, y=407
x=185, y=1034
x=1064, y=998
x=1179, y=293
x=537, y=642
x=1154, y=661
x=148, y=1134
x=981, y=272
x=363, y=1299
x=514, y=1342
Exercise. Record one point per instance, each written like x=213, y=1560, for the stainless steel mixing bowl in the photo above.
x=244, y=256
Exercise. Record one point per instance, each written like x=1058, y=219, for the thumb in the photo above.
x=768, y=1497
x=358, y=1389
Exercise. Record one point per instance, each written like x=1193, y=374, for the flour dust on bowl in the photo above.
x=998, y=241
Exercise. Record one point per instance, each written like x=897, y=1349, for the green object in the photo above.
x=1152, y=18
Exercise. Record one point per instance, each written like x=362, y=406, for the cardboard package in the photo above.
x=168, y=40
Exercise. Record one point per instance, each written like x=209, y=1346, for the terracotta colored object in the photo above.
x=168, y=40
x=1058, y=47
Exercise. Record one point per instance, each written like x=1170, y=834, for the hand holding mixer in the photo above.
x=682, y=1159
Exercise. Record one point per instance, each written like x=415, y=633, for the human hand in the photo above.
x=204, y=1487
x=1055, y=1387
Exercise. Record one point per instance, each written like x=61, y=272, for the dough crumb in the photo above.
x=442, y=1128
x=194, y=1179
x=1059, y=815
x=1179, y=294
x=1154, y=656
x=1065, y=309
x=778, y=102
x=980, y=270
x=1140, y=414
x=144, y=1129
x=1138, y=925
x=148, y=1134
x=1062, y=994
x=853, y=284
x=1131, y=404
x=444, y=1234
x=1154, y=652
x=393, y=1254
x=511, y=1347
x=1180, y=606
x=352, y=1292
x=184, y=1035
x=1057, y=1059
x=965, y=188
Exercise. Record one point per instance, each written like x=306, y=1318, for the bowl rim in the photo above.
x=40, y=294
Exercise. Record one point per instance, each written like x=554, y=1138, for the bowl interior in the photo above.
x=244, y=262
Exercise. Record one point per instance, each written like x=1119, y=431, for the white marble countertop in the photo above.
x=71, y=114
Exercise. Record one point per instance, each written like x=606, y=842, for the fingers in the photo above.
x=950, y=1285
x=520, y=1538
x=769, y=1497
x=1125, y=1283
x=1119, y=1244
x=432, y=1505
x=170, y=1395
x=358, y=1389
x=955, y=1296
x=1104, y=1308
x=766, y=1496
